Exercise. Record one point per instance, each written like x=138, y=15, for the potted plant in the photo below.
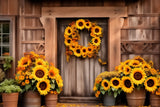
x=35, y=75
x=134, y=73
x=10, y=91
x=107, y=85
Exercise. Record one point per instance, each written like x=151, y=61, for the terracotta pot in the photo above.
x=154, y=100
x=51, y=100
x=136, y=98
x=32, y=99
x=109, y=100
x=10, y=100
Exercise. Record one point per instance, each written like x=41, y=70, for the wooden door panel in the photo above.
x=79, y=74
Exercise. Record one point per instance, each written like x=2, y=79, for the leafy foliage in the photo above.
x=7, y=62
x=9, y=86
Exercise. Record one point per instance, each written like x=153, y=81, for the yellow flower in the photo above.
x=151, y=84
x=146, y=67
x=158, y=92
x=138, y=76
x=126, y=69
x=80, y=24
x=74, y=27
x=26, y=81
x=98, y=80
x=94, y=88
x=140, y=59
x=120, y=67
x=43, y=87
x=97, y=30
x=127, y=62
x=23, y=84
x=90, y=49
x=105, y=84
x=97, y=93
x=127, y=84
x=40, y=61
x=153, y=71
x=77, y=52
x=24, y=62
x=88, y=25
x=68, y=41
x=151, y=63
x=21, y=78
x=134, y=63
x=96, y=41
x=39, y=72
x=68, y=31
x=115, y=82
x=84, y=50
x=59, y=81
x=53, y=72
x=73, y=45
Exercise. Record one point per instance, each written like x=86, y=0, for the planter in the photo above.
x=51, y=100
x=10, y=100
x=109, y=100
x=136, y=98
x=32, y=99
x=154, y=100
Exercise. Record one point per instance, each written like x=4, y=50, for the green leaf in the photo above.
x=53, y=81
x=58, y=90
x=101, y=88
x=103, y=92
x=97, y=85
x=33, y=81
x=115, y=94
x=27, y=87
x=52, y=86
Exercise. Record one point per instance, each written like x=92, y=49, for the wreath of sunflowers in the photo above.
x=72, y=36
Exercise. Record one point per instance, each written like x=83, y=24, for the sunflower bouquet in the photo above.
x=107, y=83
x=34, y=73
x=137, y=73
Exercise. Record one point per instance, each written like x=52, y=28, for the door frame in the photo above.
x=115, y=22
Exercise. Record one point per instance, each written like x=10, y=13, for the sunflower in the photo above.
x=59, y=81
x=74, y=27
x=126, y=69
x=84, y=50
x=43, y=87
x=88, y=25
x=138, y=76
x=97, y=93
x=80, y=24
x=153, y=71
x=151, y=84
x=39, y=72
x=74, y=34
x=90, y=49
x=127, y=62
x=140, y=59
x=105, y=84
x=68, y=41
x=68, y=31
x=73, y=45
x=134, y=63
x=151, y=63
x=53, y=72
x=96, y=41
x=77, y=52
x=97, y=30
x=127, y=84
x=24, y=62
x=146, y=67
x=92, y=35
x=40, y=62
x=120, y=67
x=115, y=82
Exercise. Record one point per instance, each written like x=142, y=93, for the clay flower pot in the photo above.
x=51, y=100
x=10, y=99
x=154, y=100
x=136, y=98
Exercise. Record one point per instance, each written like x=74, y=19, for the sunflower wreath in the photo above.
x=72, y=36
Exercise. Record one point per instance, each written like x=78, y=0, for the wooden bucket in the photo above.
x=10, y=100
x=51, y=100
x=154, y=100
x=32, y=99
x=136, y=98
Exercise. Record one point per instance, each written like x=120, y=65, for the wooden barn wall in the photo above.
x=140, y=33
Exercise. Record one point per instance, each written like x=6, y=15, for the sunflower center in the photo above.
x=96, y=40
x=138, y=76
x=78, y=51
x=87, y=24
x=39, y=73
x=140, y=60
x=127, y=69
x=96, y=30
x=106, y=84
x=43, y=85
x=69, y=41
x=135, y=64
x=80, y=24
x=89, y=49
x=150, y=83
x=127, y=83
x=51, y=74
x=25, y=63
x=115, y=82
x=84, y=50
x=69, y=31
x=39, y=63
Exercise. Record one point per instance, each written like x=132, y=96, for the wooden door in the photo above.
x=79, y=74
